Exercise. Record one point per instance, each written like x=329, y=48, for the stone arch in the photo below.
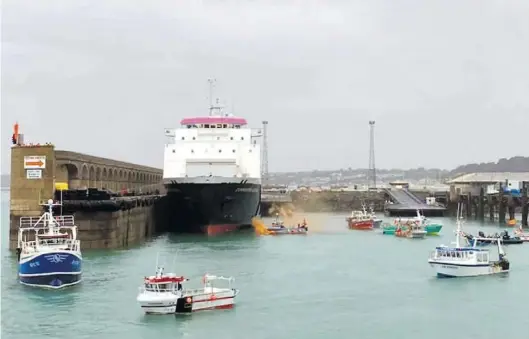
x=110, y=179
x=68, y=173
x=84, y=172
x=91, y=176
x=85, y=176
x=99, y=177
x=116, y=179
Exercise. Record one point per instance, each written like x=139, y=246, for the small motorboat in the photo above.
x=413, y=232
x=524, y=236
x=278, y=228
x=492, y=239
x=165, y=294
x=467, y=261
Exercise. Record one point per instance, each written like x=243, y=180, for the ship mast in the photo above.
x=212, y=106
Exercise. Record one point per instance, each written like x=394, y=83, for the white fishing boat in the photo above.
x=463, y=261
x=165, y=294
x=49, y=253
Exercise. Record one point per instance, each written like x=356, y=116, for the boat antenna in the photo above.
x=212, y=82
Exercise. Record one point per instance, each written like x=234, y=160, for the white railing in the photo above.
x=40, y=223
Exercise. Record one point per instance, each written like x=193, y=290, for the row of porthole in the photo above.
x=218, y=138
x=220, y=151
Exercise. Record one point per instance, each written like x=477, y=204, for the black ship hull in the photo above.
x=208, y=208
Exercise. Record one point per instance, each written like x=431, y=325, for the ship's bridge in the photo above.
x=215, y=148
x=225, y=121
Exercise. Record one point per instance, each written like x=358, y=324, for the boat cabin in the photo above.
x=474, y=256
x=53, y=239
x=169, y=283
x=209, y=122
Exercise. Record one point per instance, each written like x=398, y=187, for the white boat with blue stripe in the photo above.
x=466, y=261
x=49, y=253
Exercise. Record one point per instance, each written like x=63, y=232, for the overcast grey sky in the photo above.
x=441, y=78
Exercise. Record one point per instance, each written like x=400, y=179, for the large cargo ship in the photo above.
x=212, y=174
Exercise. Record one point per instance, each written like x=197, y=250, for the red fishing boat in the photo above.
x=359, y=221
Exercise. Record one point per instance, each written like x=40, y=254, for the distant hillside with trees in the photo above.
x=514, y=164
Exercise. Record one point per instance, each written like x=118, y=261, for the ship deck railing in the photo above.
x=37, y=223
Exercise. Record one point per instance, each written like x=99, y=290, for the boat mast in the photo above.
x=458, y=222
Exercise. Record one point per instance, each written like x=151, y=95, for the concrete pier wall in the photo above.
x=35, y=170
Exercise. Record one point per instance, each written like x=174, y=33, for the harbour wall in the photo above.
x=339, y=201
x=37, y=169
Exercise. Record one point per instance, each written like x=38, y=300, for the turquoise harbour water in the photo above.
x=333, y=283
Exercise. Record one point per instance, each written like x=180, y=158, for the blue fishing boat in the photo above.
x=49, y=253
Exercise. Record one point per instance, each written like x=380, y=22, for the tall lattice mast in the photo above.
x=264, y=154
x=372, y=172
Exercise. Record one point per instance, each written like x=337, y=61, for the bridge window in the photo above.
x=231, y=138
x=174, y=151
x=225, y=126
x=183, y=138
x=219, y=125
x=212, y=126
x=220, y=150
x=242, y=138
x=233, y=151
x=188, y=126
x=237, y=126
x=194, y=138
x=206, y=126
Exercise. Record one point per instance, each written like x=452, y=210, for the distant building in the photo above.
x=472, y=182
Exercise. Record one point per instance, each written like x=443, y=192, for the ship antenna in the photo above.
x=211, y=82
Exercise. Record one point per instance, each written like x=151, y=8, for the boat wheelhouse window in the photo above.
x=219, y=125
x=237, y=126
x=225, y=126
x=212, y=126
x=206, y=126
x=188, y=126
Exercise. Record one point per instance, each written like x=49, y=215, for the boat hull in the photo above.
x=446, y=270
x=430, y=229
x=208, y=208
x=168, y=303
x=287, y=230
x=433, y=229
x=411, y=235
x=51, y=269
x=360, y=225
